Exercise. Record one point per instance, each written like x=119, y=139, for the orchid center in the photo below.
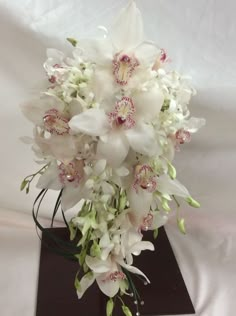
x=53, y=78
x=71, y=173
x=55, y=123
x=182, y=136
x=123, y=68
x=115, y=276
x=144, y=178
x=147, y=222
x=123, y=114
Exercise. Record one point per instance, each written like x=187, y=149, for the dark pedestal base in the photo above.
x=166, y=295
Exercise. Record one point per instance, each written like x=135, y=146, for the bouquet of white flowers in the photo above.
x=106, y=130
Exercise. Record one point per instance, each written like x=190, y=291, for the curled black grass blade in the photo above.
x=58, y=203
x=64, y=248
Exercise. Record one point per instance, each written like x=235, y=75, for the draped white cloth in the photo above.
x=200, y=38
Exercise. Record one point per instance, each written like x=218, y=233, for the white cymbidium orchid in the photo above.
x=141, y=220
x=68, y=177
x=108, y=273
x=124, y=127
x=142, y=193
x=123, y=59
x=51, y=115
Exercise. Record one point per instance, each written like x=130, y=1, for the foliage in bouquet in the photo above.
x=106, y=131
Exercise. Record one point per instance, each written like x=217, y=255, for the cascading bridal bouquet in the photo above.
x=105, y=131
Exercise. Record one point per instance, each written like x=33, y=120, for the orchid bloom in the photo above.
x=67, y=177
x=55, y=66
x=146, y=183
x=108, y=274
x=123, y=59
x=51, y=115
x=122, y=128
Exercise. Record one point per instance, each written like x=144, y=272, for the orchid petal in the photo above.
x=50, y=179
x=92, y=122
x=108, y=287
x=114, y=150
x=35, y=109
x=194, y=124
x=122, y=171
x=97, y=265
x=70, y=197
x=147, y=53
x=106, y=251
x=148, y=104
x=158, y=220
x=63, y=148
x=95, y=50
x=86, y=281
x=137, y=248
x=132, y=269
x=127, y=31
x=103, y=87
x=55, y=54
x=166, y=185
x=75, y=107
x=99, y=167
x=140, y=201
x=142, y=139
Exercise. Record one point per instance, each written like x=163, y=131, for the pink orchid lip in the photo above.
x=123, y=113
x=71, y=173
x=147, y=222
x=144, y=178
x=163, y=57
x=124, y=67
x=55, y=123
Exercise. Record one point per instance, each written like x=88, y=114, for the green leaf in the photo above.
x=72, y=41
x=155, y=233
x=181, y=225
x=23, y=184
x=110, y=307
x=126, y=310
x=192, y=202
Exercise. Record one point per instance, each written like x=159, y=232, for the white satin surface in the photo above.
x=200, y=39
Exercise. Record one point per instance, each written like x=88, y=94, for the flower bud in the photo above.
x=192, y=202
x=110, y=307
x=165, y=205
x=181, y=225
x=171, y=171
x=126, y=310
x=72, y=41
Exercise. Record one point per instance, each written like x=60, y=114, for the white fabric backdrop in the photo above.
x=200, y=38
